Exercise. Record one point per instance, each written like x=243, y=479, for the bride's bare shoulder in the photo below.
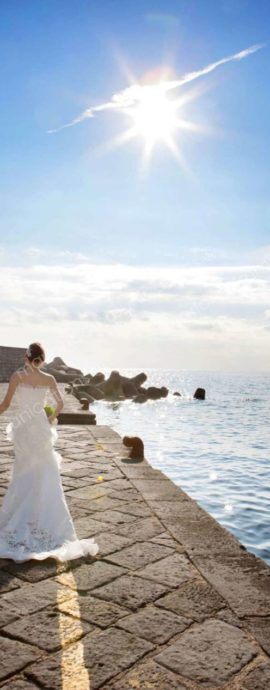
x=48, y=379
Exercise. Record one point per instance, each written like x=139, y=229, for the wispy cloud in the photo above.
x=128, y=97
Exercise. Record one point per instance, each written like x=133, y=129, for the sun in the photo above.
x=154, y=118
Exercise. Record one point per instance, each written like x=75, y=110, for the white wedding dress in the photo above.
x=34, y=520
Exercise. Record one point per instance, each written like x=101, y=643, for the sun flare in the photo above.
x=155, y=117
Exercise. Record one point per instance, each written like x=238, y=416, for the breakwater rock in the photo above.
x=91, y=387
x=199, y=394
x=61, y=372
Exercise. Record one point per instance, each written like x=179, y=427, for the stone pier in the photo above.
x=171, y=602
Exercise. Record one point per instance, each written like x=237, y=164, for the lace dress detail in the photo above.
x=35, y=522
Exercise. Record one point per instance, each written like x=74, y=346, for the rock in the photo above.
x=199, y=394
x=112, y=387
x=57, y=362
x=136, y=445
x=95, y=392
x=97, y=378
x=84, y=390
x=61, y=372
x=139, y=379
x=129, y=389
x=178, y=394
x=155, y=393
x=83, y=397
x=141, y=398
x=116, y=387
x=76, y=393
x=60, y=376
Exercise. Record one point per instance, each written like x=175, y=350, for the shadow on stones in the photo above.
x=41, y=616
x=131, y=461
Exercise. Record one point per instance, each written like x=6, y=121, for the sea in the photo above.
x=217, y=450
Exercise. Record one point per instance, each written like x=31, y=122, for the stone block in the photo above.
x=90, y=493
x=96, y=611
x=149, y=676
x=88, y=527
x=171, y=571
x=85, y=577
x=139, y=554
x=34, y=597
x=243, y=581
x=195, y=599
x=158, y=489
x=130, y=591
x=130, y=495
x=7, y=615
x=115, y=517
x=47, y=630
x=105, y=654
x=139, y=509
x=154, y=624
x=7, y=582
x=109, y=542
x=210, y=653
x=15, y=656
x=202, y=535
x=143, y=529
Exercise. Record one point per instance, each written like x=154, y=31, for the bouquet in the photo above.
x=49, y=412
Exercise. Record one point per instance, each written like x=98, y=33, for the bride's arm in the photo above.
x=10, y=392
x=58, y=398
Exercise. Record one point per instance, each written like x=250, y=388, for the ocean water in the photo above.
x=218, y=451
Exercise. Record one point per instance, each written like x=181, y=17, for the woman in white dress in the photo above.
x=35, y=522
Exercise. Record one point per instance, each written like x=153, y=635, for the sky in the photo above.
x=111, y=262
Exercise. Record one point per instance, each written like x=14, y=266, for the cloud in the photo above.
x=261, y=255
x=100, y=287
x=124, y=315
x=128, y=97
x=205, y=326
x=111, y=293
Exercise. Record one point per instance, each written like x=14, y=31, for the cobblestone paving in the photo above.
x=171, y=602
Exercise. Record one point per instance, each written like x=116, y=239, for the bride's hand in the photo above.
x=51, y=419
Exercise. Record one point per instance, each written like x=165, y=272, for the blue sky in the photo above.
x=67, y=203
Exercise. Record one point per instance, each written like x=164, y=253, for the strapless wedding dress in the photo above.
x=34, y=520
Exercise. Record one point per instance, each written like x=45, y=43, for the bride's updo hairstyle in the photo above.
x=35, y=354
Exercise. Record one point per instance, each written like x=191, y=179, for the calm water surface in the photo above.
x=217, y=450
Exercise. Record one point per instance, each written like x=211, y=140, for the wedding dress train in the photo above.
x=34, y=520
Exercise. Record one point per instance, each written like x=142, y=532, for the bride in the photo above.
x=34, y=520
